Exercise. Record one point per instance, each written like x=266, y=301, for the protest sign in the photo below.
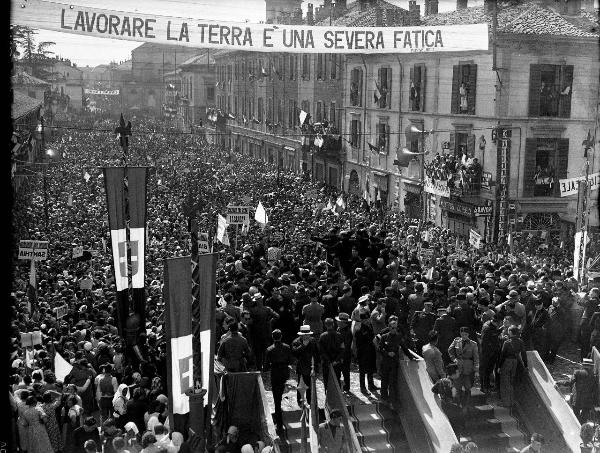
x=77, y=251
x=61, y=311
x=474, y=239
x=31, y=338
x=427, y=253
x=33, y=250
x=238, y=215
x=203, y=243
x=200, y=33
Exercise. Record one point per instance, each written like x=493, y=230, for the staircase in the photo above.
x=493, y=428
x=289, y=441
x=378, y=428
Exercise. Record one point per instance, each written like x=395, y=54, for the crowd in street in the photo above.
x=348, y=288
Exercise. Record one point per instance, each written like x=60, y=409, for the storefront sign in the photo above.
x=503, y=173
x=412, y=188
x=101, y=92
x=474, y=239
x=199, y=33
x=457, y=207
x=482, y=211
x=437, y=187
x=486, y=180
x=571, y=185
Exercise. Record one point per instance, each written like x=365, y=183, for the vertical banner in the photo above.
x=115, y=203
x=207, y=268
x=579, y=255
x=136, y=178
x=32, y=289
x=177, y=295
x=503, y=175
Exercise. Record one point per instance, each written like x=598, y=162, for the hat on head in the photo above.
x=465, y=329
x=408, y=278
x=343, y=317
x=364, y=299
x=428, y=302
x=512, y=294
x=531, y=286
x=305, y=330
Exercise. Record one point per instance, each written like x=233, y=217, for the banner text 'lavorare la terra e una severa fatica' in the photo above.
x=245, y=36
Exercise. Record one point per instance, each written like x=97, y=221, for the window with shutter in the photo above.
x=356, y=87
x=260, y=110
x=471, y=146
x=384, y=84
x=305, y=67
x=452, y=142
x=334, y=63
x=416, y=87
x=332, y=116
x=530, y=167
x=534, y=89
x=354, y=133
x=320, y=66
x=454, y=102
x=566, y=89
x=319, y=112
x=546, y=161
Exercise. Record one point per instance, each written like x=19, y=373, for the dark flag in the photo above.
x=177, y=295
x=136, y=177
x=207, y=269
x=115, y=202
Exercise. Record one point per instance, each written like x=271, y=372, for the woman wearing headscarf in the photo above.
x=34, y=420
x=49, y=406
x=176, y=441
x=72, y=419
x=132, y=437
x=119, y=403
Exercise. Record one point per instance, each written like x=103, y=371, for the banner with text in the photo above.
x=199, y=33
x=474, y=239
x=102, y=92
x=570, y=186
x=238, y=215
x=33, y=250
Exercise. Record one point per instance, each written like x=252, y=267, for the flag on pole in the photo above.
x=303, y=116
x=115, y=202
x=178, y=331
x=207, y=270
x=340, y=204
x=61, y=367
x=137, y=179
x=222, y=230
x=378, y=194
x=261, y=215
x=329, y=206
x=244, y=230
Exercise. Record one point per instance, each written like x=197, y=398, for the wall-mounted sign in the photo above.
x=486, y=180
x=571, y=186
x=503, y=172
x=457, y=207
x=437, y=187
x=482, y=211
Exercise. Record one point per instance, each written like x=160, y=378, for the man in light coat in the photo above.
x=465, y=354
x=331, y=434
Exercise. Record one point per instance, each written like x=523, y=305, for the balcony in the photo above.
x=462, y=176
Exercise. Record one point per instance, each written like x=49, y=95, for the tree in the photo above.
x=37, y=57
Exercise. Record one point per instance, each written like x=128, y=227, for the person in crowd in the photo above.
x=556, y=328
x=465, y=353
x=390, y=346
x=583, y=387
x=434, y=363
x=422, y=323
x=306, y=350
x=512, y=355
x=89, y=431
x=230, y=442
x=34, y=419
x=331, y=435
x=106, y=388
x=591, y=304
x=535, y=444
x=108, y=434
x=365, y=352
x=331, y=348
x=490, y=351
x=278, y=359
x=446, y=388
x=234, y=351
x=344, y=329
x=445, y=326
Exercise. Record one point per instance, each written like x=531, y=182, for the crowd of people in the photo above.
x=313, y=286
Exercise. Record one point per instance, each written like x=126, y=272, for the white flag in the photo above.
x=222, y=230
x=61, y=367
x=329, y=206
x=86, y=176
x=340, y=204
x=302, y=117
x=261, y=215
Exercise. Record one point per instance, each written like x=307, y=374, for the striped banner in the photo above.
x=207, y=269
x=136, y=179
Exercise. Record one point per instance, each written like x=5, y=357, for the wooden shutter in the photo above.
x=454, y=102
x=452, y=143
x=472, y=95
x=411, y=99
x=564, y=106
x=387, y=138
x=423, y=84
x=471, y=145
x=535, y=85
x=360, y=87
x=529, y=173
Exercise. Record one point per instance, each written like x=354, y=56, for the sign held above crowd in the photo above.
x=33, y=250
x=201, y=33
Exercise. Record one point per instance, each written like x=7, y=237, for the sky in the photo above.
x=88, y=51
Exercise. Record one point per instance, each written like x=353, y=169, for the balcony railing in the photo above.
x=463, y=180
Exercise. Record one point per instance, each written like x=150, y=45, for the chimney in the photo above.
x=461, y=4
x=431, y=7
x=414, y=12
x=310, y=18
x=363, y=4
x=378, y=17
x=297, y=16
x=488, y=6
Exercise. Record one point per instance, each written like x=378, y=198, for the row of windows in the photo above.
x=550, y=89
x=246, y=107
x=285, y=66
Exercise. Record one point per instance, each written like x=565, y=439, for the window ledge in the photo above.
x=548, y=130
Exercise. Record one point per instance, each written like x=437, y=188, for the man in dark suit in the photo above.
x=278, y=359
x=446, y=328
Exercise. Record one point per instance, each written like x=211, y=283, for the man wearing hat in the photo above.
x=346, y=302
x=306, y=350
x=331, y=348
x=511, y=355
x=464, y=352
x=583, y=387
x=535, y=333
x=421, y=324
x=591, y=304
x=106, y=386
x=512, y=307
x=445, y=326
x=344, y=329
x=278, y=359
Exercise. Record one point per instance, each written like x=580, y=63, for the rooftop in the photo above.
x=527, y=18
x=23, y=78
x=23, y=104
x=354, y=17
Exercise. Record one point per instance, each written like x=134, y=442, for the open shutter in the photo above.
x=411, y=92
x=381, y=101
x=529, y=173
x=454, y=102
x=360, y=87
x=471, y=145
x=566, y=87
x=387, y=138
x=388, y=99
x=423, y=82
x=535, y=85
x=562, y=162
x=471, y=97
x=452, y=143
